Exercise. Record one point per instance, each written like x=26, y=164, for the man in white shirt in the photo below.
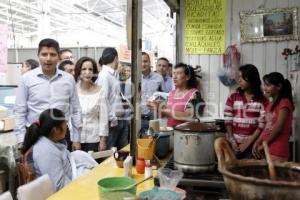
x=108, y=80
x=47, y=87
x=162, y=67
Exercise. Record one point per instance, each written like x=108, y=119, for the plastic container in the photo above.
x=111, y=188
x=148, y=169
x=145, y=148
x=120, y=157
x=140, y=166
x=128, y=166
x=162, y=144
x=169, y=130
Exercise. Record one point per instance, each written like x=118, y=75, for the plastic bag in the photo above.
x=228, y=75
x=159, y=194
x=159, y=96
x=168, y=178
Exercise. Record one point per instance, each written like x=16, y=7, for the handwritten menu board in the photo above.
x=205, y=26
x=3, y=47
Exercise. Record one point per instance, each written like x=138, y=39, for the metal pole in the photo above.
x=136, y=47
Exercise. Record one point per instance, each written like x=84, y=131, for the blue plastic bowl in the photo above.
x=162, y=194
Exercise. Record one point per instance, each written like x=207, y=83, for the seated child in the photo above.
x=45, y=138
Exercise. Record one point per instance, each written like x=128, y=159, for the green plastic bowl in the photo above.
x=111, y=188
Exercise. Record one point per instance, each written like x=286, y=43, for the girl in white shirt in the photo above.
x=45, y=149
x=93, y=105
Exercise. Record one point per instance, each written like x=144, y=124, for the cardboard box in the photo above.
x=7, y=124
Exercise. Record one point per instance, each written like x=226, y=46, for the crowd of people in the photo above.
x=64, y=106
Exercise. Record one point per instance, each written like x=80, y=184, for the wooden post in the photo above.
x=136, y=57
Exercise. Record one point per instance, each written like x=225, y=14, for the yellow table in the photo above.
x=85, y=187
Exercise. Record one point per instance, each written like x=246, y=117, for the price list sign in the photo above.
x=205, y=26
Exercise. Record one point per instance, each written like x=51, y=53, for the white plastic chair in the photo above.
x=6, y=196
x=38, y=189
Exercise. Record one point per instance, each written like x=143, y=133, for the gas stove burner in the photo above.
x=204, y=186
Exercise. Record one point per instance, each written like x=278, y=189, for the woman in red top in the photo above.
x=278, y=117
x=243, y=111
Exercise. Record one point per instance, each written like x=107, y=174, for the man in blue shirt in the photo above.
x=47, y=87
x=151, y=82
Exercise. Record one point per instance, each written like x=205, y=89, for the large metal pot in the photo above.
x=194, y=147
x=249, y=179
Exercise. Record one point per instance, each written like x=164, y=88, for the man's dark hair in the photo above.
x=48, y=42
x=100, y=61
x=108, y=55
x=33, y=63
x=65, y=50
x=62, y=65
x=163, y=58
x=146, y=54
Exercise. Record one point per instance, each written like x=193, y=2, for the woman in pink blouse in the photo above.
x=184, y=102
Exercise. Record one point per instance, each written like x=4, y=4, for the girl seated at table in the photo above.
x=278, y=117
x=44, y=140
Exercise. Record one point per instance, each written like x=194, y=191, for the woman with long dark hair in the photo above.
x=243, y=111
x=184, y=102
x=44, y=139
x=278, y=117
x=93, y=104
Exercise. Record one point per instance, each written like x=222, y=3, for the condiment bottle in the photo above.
x=148, y=169
x=128, y=166
x=140, y=166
